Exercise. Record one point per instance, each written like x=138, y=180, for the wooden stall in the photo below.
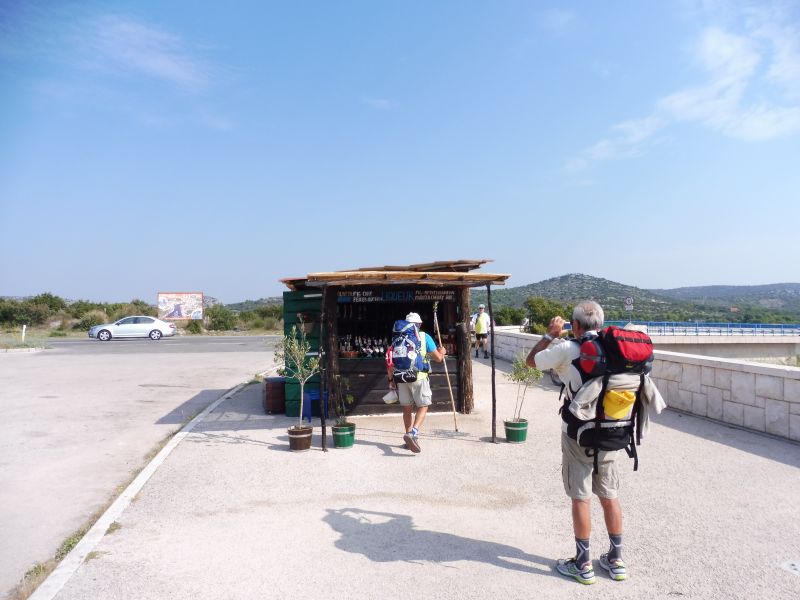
x=349, y=317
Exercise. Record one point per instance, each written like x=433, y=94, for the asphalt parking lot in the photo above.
x=81, y=416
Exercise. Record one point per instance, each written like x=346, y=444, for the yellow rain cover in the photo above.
x=617, y=404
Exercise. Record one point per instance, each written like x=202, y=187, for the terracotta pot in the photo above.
x=300, y=438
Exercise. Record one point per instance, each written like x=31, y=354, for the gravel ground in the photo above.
x=711, y=513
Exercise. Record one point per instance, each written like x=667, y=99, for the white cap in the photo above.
x=413, y=318
x=481, y=306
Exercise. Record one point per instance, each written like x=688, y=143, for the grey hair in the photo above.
x=589, y=314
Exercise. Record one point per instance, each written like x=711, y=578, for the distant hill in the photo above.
x=572, y=288
x=784, y=296
x=778, y=302
x=253, y=304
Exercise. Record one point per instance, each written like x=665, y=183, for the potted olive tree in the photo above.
x=294, y=351
x=344, y=431
x=523, y=376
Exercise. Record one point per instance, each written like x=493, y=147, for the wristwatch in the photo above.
x=547, y=337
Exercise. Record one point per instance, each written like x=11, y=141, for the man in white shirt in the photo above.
x=576, y=467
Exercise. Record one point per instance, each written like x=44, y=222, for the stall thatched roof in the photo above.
x=450, y=273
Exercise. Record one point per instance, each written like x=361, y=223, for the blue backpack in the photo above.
x=404, y=352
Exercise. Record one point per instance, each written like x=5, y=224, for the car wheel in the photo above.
x=104, y=335
x=155, y=334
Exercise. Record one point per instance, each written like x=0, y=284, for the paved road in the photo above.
x=181, y=344
x=78, y=418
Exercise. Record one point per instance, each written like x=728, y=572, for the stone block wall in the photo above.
x=760, y=397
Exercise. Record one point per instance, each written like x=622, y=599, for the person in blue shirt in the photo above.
x=417, y=393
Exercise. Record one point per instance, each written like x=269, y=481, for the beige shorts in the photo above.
x=576, y=471
x=417, y=393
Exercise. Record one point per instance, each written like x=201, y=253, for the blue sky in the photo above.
x=218, y=147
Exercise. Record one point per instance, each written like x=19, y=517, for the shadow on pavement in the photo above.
x=366, y=532
x=190, y=408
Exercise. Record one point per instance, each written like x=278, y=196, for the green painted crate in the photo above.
x=293, y=408
x=292, y=388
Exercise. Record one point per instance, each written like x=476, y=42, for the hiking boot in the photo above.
x=569, y=568
x=616, y=569
x=412, y=443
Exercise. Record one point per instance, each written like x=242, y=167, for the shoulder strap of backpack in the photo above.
x=636, y=430
x=598, y=417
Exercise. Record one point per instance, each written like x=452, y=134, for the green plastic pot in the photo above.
x=516, y=431
x=344, y=435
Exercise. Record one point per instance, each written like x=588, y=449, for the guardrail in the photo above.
x=691, y=328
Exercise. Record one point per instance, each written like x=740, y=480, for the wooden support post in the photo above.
x=323, y=359
x=466, y=399
x=331, y=344
x=494, y=390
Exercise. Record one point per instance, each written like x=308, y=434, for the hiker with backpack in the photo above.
x=607, y=401
x=407, y=366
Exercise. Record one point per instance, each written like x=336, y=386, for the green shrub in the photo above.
x=538, y=328
x=220, y=318
x=80, y=307
x=247, y=316
x=90, y=319
x=274, y=311
x=13, y=312
x=57, y=333
x=270, y=323
x=509, y=315
x=134, y=307
x=257, y=323
x=195, y=326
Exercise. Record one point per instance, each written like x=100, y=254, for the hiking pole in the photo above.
x=444, y=362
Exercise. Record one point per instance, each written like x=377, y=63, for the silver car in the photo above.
x=138, y=326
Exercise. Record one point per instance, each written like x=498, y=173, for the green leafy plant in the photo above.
x=194, y=326
x=90, y=319
x=524, y=376
x=220, y=318
x=294, y=352
x=342, y=399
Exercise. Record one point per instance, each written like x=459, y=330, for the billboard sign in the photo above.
x=175, y=306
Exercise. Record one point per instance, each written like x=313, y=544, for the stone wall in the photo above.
x=763, y=398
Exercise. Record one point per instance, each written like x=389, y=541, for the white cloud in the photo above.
x=752, y=90
x=122, y=42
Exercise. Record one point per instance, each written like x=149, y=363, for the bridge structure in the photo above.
x=747, y=341
x=684, y=328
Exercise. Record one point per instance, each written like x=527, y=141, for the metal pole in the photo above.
x=494, y=390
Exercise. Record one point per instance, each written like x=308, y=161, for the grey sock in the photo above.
x=582, y=552
x=615, y=550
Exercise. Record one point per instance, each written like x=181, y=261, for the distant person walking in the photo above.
x=415, y=393
x=481, y=324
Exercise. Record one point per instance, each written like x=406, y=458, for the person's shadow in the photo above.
x=386, y=537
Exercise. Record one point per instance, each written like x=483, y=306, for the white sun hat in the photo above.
x=413, y=318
